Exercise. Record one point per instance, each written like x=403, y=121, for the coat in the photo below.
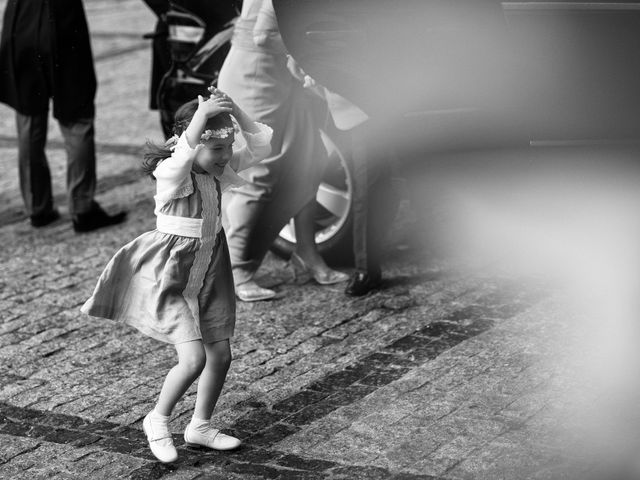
x=45, y=52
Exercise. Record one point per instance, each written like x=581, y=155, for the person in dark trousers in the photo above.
x=161, y=61
x=374, y=205
x=45, y=53
x=374, y=200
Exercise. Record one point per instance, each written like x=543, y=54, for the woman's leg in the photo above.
x=305, y=236
x=307, y=255
x=191, y=361
x=218, y=360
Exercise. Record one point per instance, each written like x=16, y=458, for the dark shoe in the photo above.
x=362, y=283
x=96, y=218
x=44, y=218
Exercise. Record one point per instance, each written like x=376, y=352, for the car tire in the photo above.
x=334, y=217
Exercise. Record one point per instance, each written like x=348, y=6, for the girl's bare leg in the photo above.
x=200, y=431
x=218, y=360
x=191, y=361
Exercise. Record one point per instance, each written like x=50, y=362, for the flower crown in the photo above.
x=223, y=132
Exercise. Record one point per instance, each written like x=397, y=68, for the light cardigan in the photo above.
x=176, y=186
x=174, y=180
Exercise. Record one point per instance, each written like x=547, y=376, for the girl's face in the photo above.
x=215, y=155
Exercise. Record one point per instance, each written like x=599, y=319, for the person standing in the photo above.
x=374, y=205
x=374, y=200
x=258, y=75
x=45, y=53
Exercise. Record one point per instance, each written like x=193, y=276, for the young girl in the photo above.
x=175, y=283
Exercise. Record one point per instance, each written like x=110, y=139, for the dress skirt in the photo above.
x=144, y=286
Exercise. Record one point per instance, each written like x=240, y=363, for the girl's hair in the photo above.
x=154, y=153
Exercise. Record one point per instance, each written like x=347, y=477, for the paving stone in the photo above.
x=15, y=446
x=502, y=459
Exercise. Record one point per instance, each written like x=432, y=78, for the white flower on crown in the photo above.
x=223, y=132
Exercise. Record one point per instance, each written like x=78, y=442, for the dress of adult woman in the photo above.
x=256, y=76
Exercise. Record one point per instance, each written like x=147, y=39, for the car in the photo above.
x=447, y=74
x=452, y=75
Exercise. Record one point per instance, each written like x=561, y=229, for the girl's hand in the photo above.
x=220, y=94
x=214, y=105
x=245, y=122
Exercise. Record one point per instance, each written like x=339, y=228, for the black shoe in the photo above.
x=363, y=283
x=96, y=218
x=44, y=218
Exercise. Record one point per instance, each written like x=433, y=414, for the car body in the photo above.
x=566, y=70
x=452, y=75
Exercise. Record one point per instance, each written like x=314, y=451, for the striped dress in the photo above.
x=175, y=283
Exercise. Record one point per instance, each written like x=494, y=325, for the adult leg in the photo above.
x=247, y=240
x=381, y=209
x=282, y=184
x=199, y=431
x=361, y=218
x=34, y=173
x=373, y=209
x=244, y=209
x=81, y=177
x=306, y=257
x=81, y=163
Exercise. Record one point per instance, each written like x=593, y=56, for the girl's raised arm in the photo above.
x=246, y=123
x=208, y=108
x=256, y=146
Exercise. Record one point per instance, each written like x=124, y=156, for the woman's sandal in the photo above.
x=251, y=292
x=302, y=272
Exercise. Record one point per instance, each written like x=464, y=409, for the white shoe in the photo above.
x=211, y=439
x=160, y=439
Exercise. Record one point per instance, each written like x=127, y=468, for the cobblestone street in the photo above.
x=459, y=368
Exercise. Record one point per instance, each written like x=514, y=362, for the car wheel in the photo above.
x=333, y=215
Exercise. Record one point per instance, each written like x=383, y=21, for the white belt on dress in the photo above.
x=183, y=226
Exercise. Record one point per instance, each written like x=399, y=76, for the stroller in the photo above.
x=192, y=39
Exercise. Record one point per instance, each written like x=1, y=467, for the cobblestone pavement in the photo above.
x=457, y=369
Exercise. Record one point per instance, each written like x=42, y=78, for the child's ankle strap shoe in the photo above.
x=210, y=438
x=159, y=437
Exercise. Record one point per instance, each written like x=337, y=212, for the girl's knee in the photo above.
x=192, y=360
x=219, y=354
x=224, y=359
x=193, y=363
